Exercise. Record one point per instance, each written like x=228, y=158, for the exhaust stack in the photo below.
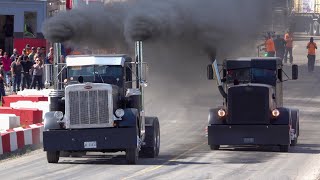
x=140, y=81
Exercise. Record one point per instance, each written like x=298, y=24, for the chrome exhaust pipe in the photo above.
x=139, y=63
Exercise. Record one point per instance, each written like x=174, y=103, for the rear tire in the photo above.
x=284, y=148
x=53, y=156
x=132, y=155
x=214, y=147
x=152, y=148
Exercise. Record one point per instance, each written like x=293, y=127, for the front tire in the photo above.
x=132, y=156
x=53, y=156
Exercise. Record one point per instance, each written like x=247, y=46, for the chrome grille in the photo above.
x=88, y=107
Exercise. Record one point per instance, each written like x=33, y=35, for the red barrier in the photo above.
x=6, y=100
x=20, y=138
x=27, y=116
x=6, y=142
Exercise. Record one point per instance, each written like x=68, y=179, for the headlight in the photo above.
x=58, y=115
x=275, y=113
x=221, y=113
x=119, y=113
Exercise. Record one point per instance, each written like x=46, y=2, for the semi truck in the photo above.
x=252, y=112
x=100, y=108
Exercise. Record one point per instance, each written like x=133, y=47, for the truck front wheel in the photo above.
x=53, y=156
x=132, y=155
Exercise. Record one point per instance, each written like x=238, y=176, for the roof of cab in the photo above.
x=255, y=62
x=108, y=59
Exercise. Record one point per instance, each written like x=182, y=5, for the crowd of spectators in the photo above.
x=25, y=70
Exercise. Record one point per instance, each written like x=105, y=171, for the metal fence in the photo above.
x=49, y=79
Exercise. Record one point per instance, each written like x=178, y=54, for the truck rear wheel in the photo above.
x=152, y=147
x=53, y=156
x=214, y=147
x=132, y=155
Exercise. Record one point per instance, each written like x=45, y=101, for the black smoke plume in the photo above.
x=210, y=25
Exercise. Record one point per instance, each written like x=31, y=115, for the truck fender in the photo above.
x=213, y=117
x=284, y=118
x=51, y=122
x=295, y=120
x=129, y=118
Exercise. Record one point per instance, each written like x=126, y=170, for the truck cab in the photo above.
x=101, y=109
x=253, y=111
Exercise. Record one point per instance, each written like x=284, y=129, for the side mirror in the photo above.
x=210, y=72
x=295, y=71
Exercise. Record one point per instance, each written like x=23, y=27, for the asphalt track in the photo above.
x=180, y=96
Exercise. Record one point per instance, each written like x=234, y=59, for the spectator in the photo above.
x=37, y=74
x=32, y=54
x=49, y=59
x=2, y=84
x=28, y=50
x=16, y=70
x=26, y=69
x=280, y=45
x=1, y=51
x=6, y=62
x=41, y=53
x=14, y=55
x=24, y=55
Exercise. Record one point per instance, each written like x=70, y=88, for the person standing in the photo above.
x=6, y=62
x=280, y=46
x=2, y=84
x=289, y=46
x=16, y=70
x=311, y=46
x=26, y=78
x=32, y=54
x=49, y=58
x=270, y=48
x=37, y=74
x=14, y=55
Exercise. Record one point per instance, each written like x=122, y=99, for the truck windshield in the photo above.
x=251, y=75
x=97, y=73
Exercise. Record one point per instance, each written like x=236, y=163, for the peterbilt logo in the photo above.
x=88, y=87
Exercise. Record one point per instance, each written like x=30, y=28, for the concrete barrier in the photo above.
x=9, y=121
x=17, y=138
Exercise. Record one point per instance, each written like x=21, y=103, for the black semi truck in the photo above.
x=101, y=109
x=252, y=112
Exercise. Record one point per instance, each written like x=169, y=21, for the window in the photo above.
x=30, y=25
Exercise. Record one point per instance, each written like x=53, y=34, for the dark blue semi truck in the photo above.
x=252, y=112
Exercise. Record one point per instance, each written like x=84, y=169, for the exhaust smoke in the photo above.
x=210, y=25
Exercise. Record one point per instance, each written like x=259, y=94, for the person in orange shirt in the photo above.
x=311, y=46
x=289, y=45
x=270, y=48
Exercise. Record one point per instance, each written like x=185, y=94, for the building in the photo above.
x=20, y=23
